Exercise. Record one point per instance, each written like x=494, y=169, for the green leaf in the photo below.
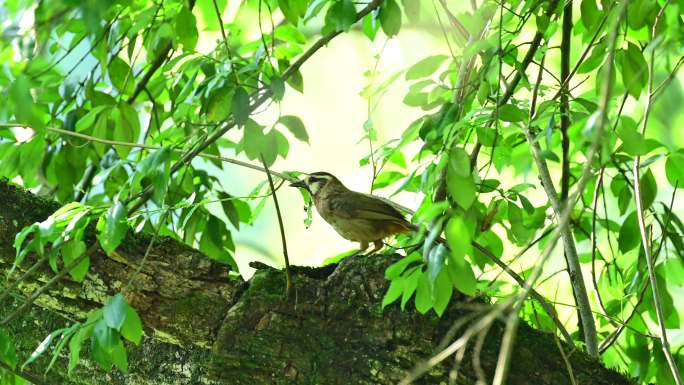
x=590, y=13
x=240, y=106
x=8, y=353
x=370, y=26
x=277, y=88
x=634, y=69
x=511, y=113
x=186, y=29
x=296, y=127
x=341, y=15
x=423, y=298
x=649, y=189
x=119, y=356
x=296, y=81
x=425, y=67
x=410, y=285
x=154, y=170
x=443, y=289
x=633, y=142
x=20, y=95
x=19, y=242
x=395, y=269
x=120, y=75
x=595, y=59
x=114, y=229
x=293, y=9
x=115, y=312
x=486, y=135
x=435, y=263
x=461, y=275
x=256, y=143
x=521, y=232
x=493, y=243
x=386, y=178
x=220, y=104
x=674, y=169
x=87, y=121
x=64, y=339
x=229, y=208
x=75, y=345
x=70, y=252
x=629, y=236
x=102, y=343
x=390, y=17
x=460, y=183
x=394, y=291
x=124, y=120
x=282, y=143
x=132, y=326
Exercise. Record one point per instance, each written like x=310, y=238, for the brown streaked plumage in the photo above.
x=358, y=217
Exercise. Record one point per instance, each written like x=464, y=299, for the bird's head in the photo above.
x=316, y=182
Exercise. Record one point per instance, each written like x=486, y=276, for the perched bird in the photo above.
x=355, y=216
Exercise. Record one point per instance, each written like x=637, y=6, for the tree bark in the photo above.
x=203, y=327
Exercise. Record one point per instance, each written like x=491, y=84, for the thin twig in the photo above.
x=563, y=218
x=152, y=147
x=665, y=345
x=223, y=29
x=49, y=284
x=597, y=189
x=148, y=250
x=230, y=123
x=24, y=276
x=568, y=365
x=542, y=301
x=288, y=276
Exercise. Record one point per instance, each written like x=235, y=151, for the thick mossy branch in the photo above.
x=331, y=331
x=335, y=332
x=180, y=294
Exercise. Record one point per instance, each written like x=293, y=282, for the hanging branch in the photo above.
x=288, y=276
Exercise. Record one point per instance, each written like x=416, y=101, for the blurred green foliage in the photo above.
x=113, y=132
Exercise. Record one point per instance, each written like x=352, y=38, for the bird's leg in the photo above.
x=362, y=247
x=377, y=245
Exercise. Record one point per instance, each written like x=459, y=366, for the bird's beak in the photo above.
x=299, y=183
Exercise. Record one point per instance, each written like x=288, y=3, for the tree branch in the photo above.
x=564, y=100
x=288, y=275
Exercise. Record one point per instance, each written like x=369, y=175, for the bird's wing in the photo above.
x=352, y=204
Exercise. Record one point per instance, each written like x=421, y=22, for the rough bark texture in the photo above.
x=204, y=328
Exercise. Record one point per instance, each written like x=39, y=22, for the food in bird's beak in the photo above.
x=299, y=183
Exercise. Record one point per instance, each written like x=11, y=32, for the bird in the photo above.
x=356, y=216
